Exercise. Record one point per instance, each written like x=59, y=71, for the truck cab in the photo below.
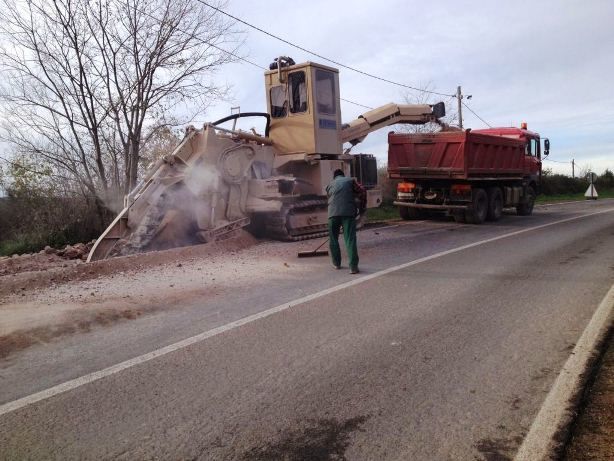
x=533, y=149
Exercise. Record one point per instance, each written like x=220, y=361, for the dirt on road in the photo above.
x=40, y=303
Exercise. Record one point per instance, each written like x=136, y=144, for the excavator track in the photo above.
x=279, y=228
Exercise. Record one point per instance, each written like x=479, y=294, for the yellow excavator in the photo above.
x=219, y=179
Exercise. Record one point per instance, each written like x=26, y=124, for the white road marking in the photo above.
x=95, y=376
x=567, y=203
x=558, y=203
x=555, y=413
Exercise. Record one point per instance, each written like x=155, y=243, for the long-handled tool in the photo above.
x=309, y=254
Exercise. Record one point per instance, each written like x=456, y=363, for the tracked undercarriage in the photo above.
x=301, y=220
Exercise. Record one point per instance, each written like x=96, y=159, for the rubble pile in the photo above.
x=45, y=259
x=76, y=251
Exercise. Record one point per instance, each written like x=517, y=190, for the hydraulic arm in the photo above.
x=390, y=114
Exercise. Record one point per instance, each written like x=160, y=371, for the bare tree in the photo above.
x=86, y=82
x=159, y=143
x=584, y=170
x=424, y=97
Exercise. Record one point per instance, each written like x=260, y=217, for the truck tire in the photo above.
x=408, y=213
x=526, y=208
x=478, y=211
x=495, y=204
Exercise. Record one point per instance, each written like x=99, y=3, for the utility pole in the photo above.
x=573, y=169
x=459, y=99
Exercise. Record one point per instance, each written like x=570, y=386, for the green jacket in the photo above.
x=340, y=194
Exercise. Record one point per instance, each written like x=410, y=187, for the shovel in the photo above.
x=309, y=254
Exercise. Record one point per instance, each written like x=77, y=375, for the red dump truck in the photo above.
x=472, y=175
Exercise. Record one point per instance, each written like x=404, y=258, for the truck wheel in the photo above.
x=408, y=213
x=479, y=207
x=526, y=208
x=495, y=204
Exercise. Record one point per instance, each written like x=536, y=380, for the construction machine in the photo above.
x=221, y=179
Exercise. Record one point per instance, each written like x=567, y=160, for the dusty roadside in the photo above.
x=46, y=295
x=592, y=434
x=39, y=306
x=22, y=274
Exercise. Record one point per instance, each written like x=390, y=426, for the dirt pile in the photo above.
x=77, y=251
x=40, y=307
x=45, y=259
x=21, y=274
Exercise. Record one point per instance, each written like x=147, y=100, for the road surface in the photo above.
x=444, y=347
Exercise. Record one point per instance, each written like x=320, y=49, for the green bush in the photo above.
x=20, y=246
x=387, y=185
x=556, y=184
x=30, y=224
x=605, y=181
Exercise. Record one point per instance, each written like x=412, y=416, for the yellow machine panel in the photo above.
x=303, y=101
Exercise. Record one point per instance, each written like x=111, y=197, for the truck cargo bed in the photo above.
x=458, y=155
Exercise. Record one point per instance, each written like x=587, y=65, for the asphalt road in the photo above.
x=446, y=358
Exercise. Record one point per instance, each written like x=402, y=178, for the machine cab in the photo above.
x=303, y=102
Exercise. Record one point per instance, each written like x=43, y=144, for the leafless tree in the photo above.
x=424, y=97
x=584, y=170
x=85, y=83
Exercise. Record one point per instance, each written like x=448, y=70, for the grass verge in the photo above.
x=382, y=213
x=20, y=246
x=389, y=211
x=571, y=197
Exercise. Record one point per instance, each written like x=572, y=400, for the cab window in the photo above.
x=279, y=101
x=325, y=92
x=298, y=92
x=532, y=147
x=535, y=147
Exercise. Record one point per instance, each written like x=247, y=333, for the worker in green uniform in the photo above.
x=346, y=200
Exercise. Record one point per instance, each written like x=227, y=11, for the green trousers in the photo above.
x=349, y=236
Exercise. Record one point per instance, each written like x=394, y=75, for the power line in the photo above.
x=259, y=29
x=287, y=42
x=473, y=112
x=314, y=54
x=241, y=58
x=357, y=104
x=557, y=161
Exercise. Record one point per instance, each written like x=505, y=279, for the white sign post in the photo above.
x=591, y=192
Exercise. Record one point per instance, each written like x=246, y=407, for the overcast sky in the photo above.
x=549, y=63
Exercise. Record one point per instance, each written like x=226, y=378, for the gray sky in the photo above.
x=549, y=63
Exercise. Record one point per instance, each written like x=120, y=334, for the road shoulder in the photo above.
x=592, y=432
x=551, y=424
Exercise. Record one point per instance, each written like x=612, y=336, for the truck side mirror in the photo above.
x=546, y=147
